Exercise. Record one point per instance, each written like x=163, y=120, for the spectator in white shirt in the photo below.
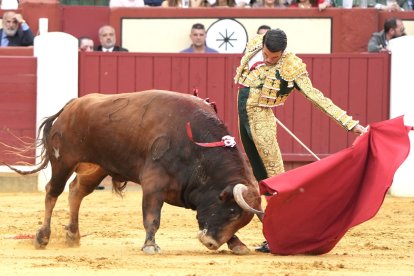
x=126, y=3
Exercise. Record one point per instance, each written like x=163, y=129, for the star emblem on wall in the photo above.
x=227, y=36
x=226, y=39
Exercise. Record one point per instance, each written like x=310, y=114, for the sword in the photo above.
x=297, y=139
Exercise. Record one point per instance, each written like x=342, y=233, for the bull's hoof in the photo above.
x=151, y=249
x=41, y=239
x=240, y=250
x=237, y=246
x=72, y=240
x=39, y=244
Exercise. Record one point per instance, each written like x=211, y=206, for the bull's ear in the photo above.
x=227, y=193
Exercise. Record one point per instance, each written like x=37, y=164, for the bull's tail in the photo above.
x=44, y=128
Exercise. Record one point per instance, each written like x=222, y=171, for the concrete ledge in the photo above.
x=14, y=182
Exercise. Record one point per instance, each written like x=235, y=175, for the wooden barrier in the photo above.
x=16, y=51
x=17, y=105
x=359, y=83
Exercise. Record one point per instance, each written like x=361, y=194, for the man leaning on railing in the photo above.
x=15, y=31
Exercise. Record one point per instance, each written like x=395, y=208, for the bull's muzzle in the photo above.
x=207, y=240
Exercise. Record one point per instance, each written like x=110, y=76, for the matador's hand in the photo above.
x=358, y=129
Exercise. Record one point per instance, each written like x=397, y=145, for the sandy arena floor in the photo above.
x=113, y=235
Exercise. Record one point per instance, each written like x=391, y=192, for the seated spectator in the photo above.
x=388, y=5
x=107, y=39
x=198, y=3
x=15, y=31
x=126, y=3
x=229, y=3
x=171, y=4
x=198, y=38
x=406, y=5
x=179, y=3
x=393, y=28
x=263, y=29
x=268, y=4
x=306, y=4
x=85, y=44
x=153, y=3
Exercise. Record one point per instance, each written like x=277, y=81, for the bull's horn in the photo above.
x=238, y=196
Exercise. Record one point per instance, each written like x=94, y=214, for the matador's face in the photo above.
x=271, y=58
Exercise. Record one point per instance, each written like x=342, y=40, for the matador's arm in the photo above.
x=324, y=103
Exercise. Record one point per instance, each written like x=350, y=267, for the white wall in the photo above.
x=402, y=103
x=57, y=79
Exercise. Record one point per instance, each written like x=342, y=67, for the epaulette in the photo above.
x=255, y=44
x=252, y=48
x=292, y=67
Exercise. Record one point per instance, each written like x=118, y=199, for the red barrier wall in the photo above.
x=359, y=83
x=17, y=105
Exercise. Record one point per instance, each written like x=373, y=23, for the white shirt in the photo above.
x=257, y=60
x=126, y=3
x=238, y=2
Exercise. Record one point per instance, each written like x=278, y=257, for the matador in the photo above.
x=267, y=75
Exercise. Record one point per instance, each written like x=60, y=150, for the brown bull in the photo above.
x=141, y=137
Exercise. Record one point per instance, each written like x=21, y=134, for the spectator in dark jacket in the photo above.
x=15, y=31
x=393, y=28
x=108, y=40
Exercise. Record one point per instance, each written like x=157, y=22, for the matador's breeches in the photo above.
x=261, y=130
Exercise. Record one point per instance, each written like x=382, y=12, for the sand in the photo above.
x=113, y=234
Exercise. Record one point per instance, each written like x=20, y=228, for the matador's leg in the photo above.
x=263, y=130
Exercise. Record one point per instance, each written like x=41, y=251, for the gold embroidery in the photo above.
x=263, y=129
x=254, y=46
x=324, y=103
x=291, y=67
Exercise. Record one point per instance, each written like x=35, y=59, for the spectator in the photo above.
x=179, y=3
x=198, y=37
x=388, y=5
x=407, y=5
x=86, y=44
x=393, y=27
x=15, y=31
x=171, y=3
x=263, y=29
x=153, y=3
x=268, y=4
x=198, y=3
x=107, y=39
x=306, y=4
x=229, y=3
x=126, y=3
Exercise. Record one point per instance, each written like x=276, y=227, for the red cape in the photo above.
x=316, y=204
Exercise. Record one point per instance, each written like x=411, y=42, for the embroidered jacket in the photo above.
x=275, y=83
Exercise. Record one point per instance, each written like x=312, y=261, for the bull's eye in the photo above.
x=232, y=211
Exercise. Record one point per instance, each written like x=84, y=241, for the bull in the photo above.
x=149, y=138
